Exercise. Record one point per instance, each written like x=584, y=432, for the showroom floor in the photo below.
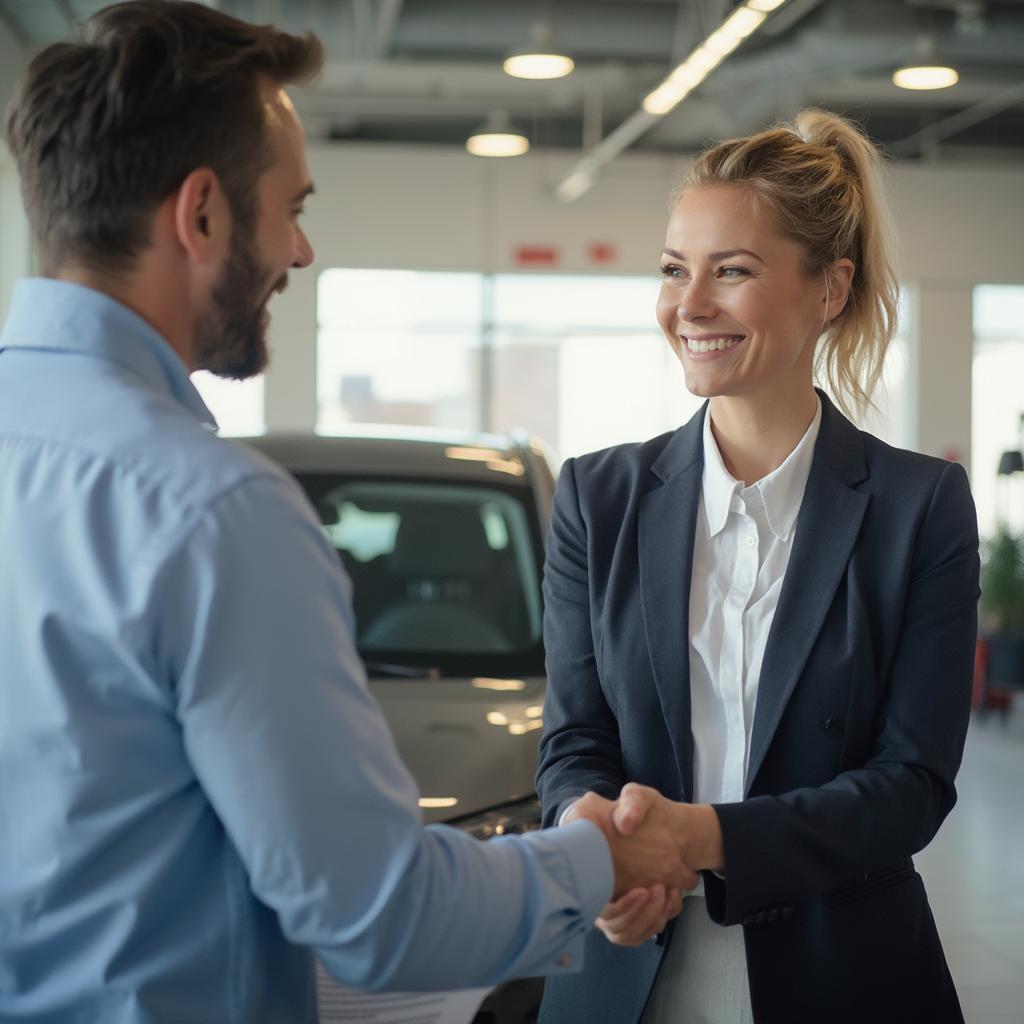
x=974, y=871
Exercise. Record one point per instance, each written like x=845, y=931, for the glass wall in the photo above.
x=581, y=361
x=398, y=346
x=577, y=359
x=997, y=386
x=237, y=405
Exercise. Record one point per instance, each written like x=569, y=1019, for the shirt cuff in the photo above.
x=590, y=861
x=565, y=810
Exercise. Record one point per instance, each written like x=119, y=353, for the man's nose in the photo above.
x=304, y=251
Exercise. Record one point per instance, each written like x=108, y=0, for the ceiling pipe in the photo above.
x=958, y=122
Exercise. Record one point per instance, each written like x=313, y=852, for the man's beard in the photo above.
x=231, y=337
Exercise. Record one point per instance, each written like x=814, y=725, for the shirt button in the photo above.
x=565, y=960
x=751, y=542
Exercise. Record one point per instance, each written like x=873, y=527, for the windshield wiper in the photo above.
x=383, y=668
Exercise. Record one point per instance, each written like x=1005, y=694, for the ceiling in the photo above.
x=429, y=71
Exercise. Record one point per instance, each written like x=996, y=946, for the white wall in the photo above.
x=396, y=206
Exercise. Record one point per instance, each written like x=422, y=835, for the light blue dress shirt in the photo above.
x=196, y=787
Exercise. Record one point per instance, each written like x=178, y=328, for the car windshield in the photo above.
x=444, y=575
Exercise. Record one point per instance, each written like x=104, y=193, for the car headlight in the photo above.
x=508, y=819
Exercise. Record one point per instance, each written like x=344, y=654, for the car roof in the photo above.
x=384, y=451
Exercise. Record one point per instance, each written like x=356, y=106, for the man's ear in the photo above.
x=202, y=216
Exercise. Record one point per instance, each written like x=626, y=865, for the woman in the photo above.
x=768, y=616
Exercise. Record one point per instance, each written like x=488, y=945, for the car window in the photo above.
x=436, y=568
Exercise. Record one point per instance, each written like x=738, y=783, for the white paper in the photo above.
x=341, y=1005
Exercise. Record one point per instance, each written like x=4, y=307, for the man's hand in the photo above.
x=650, y=854
x=695, y=826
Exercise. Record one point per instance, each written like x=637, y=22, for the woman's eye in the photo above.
x=734, y=271
x=668, y=270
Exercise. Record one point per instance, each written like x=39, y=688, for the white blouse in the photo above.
x=741, y=548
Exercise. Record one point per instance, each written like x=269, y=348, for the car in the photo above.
x=442, y=535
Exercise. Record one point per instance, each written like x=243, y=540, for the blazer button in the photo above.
x=832, y=726
x=759, y=917
x=787, y=911
x=748, y=920
x=773, y=914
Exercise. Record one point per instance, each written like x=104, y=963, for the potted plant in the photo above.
x=1002, y=607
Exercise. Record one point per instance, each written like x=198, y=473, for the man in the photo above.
x=195, y=786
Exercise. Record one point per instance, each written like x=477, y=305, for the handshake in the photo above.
x=657, y=847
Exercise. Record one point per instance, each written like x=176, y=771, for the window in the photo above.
x=398, y=346
x=438, y=569
x=576, y=359
x=997, y=387
x=581, y=361
x=237, y=405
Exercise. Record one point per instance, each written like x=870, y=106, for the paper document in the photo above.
x=340, y=1005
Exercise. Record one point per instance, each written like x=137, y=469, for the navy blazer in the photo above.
x=862, y=710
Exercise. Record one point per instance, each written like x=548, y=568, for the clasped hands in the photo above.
x=657, y=847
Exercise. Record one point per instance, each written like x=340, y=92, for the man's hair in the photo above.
x=105, y=128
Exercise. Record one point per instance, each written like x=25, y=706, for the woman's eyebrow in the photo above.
x=727, y=254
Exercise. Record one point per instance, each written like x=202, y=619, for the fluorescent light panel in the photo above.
x=743, y=22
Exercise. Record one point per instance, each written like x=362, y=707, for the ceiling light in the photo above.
x=742, y=22
x=496, y=137
x=925, y=77
x=764, y=6
x=574, y=186
x=538, y=65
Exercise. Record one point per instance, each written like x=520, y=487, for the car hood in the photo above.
x=471, y=741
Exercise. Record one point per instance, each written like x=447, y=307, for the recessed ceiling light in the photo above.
x=925, y=77
x=538, y=65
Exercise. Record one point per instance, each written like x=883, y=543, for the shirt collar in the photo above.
x=782, y=490
x=50, y=315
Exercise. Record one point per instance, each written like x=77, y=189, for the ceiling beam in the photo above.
x=921, y=141
x=386, y=28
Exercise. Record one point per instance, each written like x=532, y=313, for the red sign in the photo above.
x=536, y=255
x=602, y=252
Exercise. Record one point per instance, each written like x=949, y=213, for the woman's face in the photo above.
x=736, y=305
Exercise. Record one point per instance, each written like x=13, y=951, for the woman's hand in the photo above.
x=639, y=915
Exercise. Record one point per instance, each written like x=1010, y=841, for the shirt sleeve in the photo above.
x=297, y=760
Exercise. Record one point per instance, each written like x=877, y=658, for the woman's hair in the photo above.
x=821, y=177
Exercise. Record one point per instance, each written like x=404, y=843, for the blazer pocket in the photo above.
x=869, y=883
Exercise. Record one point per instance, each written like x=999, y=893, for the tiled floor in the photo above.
x=974, y=871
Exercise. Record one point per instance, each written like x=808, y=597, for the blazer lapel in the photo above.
x=826, y=530
x=667, y=520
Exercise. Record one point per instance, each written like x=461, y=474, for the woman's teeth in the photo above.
x=713, y=344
